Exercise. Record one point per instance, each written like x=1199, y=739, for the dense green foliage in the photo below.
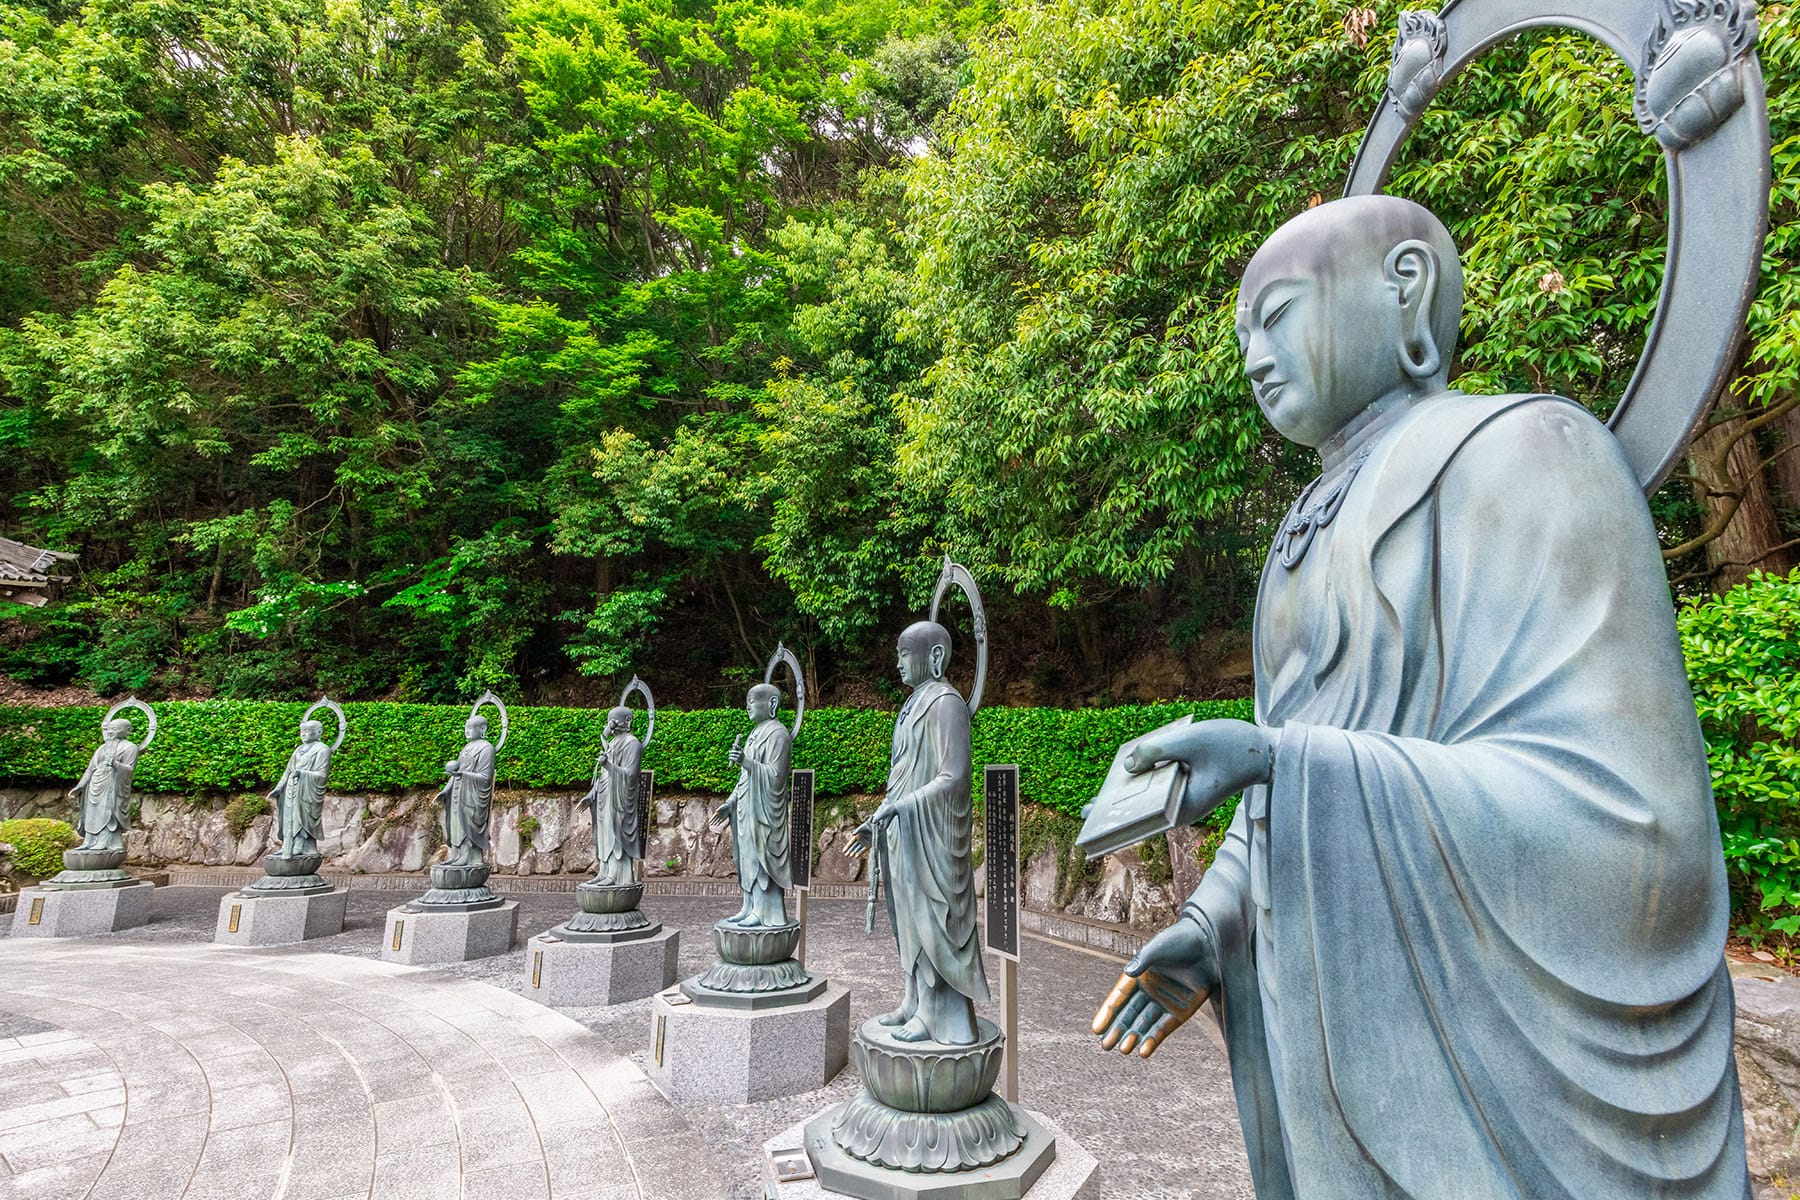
x=38, y=844
x=402, y=350
x=1743, y=653
x=225, y=745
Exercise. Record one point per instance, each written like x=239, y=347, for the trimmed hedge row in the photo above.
x=1062, y=754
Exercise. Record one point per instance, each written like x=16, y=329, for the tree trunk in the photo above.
x=1734, y=476
x=1784, y=472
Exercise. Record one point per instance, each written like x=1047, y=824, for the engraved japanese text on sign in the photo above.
x=800, y=829
x=1002, y=893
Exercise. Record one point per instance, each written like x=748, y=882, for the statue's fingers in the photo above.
x=1165, y=1025
x=1144, y=756
x=1120, y=1034
x=1115, y=1000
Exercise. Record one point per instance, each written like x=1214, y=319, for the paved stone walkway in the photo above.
x=152, y=1070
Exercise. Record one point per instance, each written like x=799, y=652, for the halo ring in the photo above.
x=954, y=573
x=1718, y=202
x=490, y=698
x=343, y=722
x=149, y=715
x=784, y=655
x=643, y=689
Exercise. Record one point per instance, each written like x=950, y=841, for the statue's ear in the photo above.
x=938, y=654
x=1413, y=269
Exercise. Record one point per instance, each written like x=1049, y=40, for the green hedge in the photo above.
x=1743, y=661
x=230, y=745
x=38, y=844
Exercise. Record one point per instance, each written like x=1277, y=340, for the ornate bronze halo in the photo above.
x=1699, y=93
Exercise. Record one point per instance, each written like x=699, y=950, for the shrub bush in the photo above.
x=1743, y=657
x=220, y=745
x=242, y=811
x=38, y=843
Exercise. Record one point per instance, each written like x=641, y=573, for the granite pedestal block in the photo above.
x=725, y=1055
x=560, y=972
x=80, y=912
x=274, y=919
x=1032, y=1172
x=418, y=936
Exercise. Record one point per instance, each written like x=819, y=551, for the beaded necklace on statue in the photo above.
x=1311, y=514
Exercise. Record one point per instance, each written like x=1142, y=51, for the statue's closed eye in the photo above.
x=1274, y=314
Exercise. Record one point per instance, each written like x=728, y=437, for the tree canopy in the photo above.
x=403, y=349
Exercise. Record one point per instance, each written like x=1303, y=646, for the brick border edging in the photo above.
x=1086, y=933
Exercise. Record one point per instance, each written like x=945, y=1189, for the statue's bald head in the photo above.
x=762, y=701
x=311, y=731
x=924, y=652
x=118, y=727
x=619, y=719
x=1348, y=303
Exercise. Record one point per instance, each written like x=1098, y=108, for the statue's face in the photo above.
x=921, y=655
x=617, y=725
x=1323, y=317
x=761, y=704
x=310, y=731
x=476, y=727
x=112, y=731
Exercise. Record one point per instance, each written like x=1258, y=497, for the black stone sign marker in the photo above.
x=1002, y=859
x=800, y=827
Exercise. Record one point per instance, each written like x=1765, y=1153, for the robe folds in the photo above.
x=760, y=822
x=106, y=794
x=471, y=797
x=1470, y=933
x=926, y=848
x=618, y=842
x=301, y=788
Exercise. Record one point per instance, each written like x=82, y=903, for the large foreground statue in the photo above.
x=613, y=798
x=104, y=795
x=1465, y=931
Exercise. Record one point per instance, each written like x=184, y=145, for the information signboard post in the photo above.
x=1001, y=813
x=800, y=848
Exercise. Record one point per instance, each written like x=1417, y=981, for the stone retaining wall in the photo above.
x=538, y=833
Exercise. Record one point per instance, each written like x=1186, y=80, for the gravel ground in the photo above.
x=1162, y=1130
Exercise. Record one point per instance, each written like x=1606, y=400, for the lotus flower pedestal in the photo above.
x=929, y=1126
x=607, y=953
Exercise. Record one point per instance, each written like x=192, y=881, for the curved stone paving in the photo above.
x=199, y=1072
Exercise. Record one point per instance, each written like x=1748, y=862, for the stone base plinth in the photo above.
x=1049, y=1166
x=274, y=919
x=420, y=936
x=575, y=973
x=81, y=912
x=706, y=1052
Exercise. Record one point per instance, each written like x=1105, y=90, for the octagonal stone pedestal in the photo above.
x=271, y=919
x=81, y=911
x=1049, y=1166
x=419, y=936
x=565, y=973
x=730, y=1055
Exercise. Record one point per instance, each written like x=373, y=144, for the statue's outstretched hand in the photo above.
x=1222, y=758
x=861, y=840
x=1162, y=987
x=720, y=818
x=75, y=791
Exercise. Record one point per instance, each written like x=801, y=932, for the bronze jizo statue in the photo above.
x=299, y=800
x=468, y=796
x=104, y=794
x=1465, y=933
x=618, y=842
x=757, y=812
x=104, y=789
x=922, y=836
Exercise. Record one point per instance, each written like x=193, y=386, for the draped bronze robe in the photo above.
x=1471, y=932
